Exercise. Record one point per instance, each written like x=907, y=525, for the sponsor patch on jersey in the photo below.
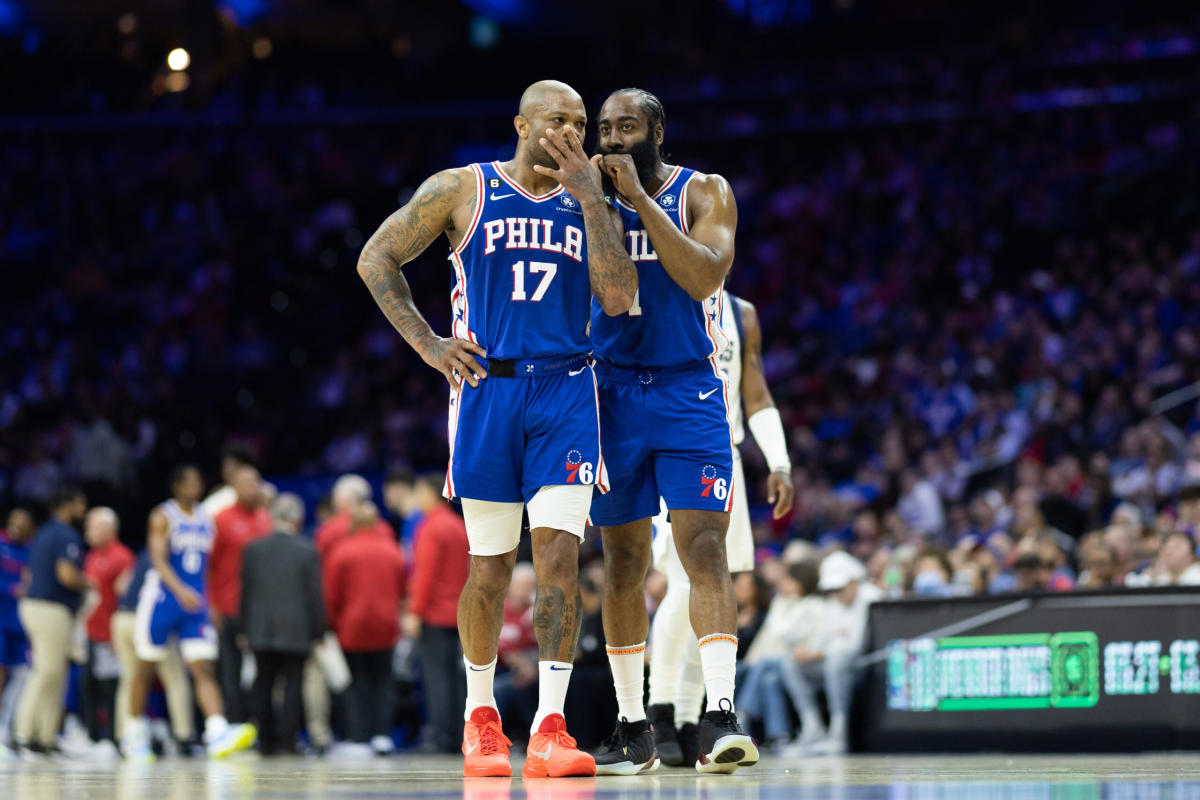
x=567, y=200
x=667, y=200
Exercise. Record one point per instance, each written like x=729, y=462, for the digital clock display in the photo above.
x=1096, y=671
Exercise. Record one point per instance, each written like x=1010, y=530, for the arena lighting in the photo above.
x=178, y=59
x=178, y=82
x=262, y=48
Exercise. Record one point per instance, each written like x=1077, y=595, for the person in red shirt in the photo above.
x=108, y=567
x=364, y=580
x=236, y=526
x=350, y=492
x=440, y=564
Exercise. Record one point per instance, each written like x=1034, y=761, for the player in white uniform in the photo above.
x=676, y=679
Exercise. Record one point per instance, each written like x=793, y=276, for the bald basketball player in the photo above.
x=532, y=239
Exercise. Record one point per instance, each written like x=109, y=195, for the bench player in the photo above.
x=664, y=409
x=524, y=424
x=173, y=603
x=676, y=681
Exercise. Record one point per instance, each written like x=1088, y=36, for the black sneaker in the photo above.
x=628, y=751
x=662, y=722
x=724, y=747
x=689, y=742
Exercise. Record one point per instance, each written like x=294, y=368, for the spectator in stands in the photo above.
x=517, y=655
x=753, y=595
x=440, y=564
x=109, y=563
x=47, y=613
x=830, y=661
x=794, y=618
x=591, y=698
x=283, y=615
x=932, y=574
x=171, y=671
x=364, y=577
x=1189, y=504
x=350, y=493
x=14, y=645
x=1031, y=572
x=1176, y=564
x=236, y=526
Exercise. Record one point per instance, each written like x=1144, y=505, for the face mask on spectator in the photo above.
x=930, y=584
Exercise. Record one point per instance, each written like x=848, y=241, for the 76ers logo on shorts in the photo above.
x=578, y=470
x=713, y=486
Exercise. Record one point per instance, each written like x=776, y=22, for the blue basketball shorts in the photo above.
x=160, y=617
x=14, y=647
x=530, y=423
x=665, y=432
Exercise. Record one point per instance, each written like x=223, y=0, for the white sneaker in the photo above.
x=829, y=746
x=104, y=750
x=383, y=745
x=352, y=751
x=234, y=738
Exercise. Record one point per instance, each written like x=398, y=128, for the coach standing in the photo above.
x=236, y=526
x=440, y=564
x=283, y=615
x=47, y=612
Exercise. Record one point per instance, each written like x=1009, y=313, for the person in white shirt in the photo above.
x=794, y=617
x=830, y=661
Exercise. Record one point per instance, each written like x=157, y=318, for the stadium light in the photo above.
x=178, y=59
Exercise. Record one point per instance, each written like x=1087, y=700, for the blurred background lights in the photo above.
x=178, y=59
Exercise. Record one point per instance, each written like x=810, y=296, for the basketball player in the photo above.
x=174, y=603
x=676, y=682
x=524, y=425
x=664, y=417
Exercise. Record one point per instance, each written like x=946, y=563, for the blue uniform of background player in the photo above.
x=172, y=603
x=531, y=240
x=665, y=427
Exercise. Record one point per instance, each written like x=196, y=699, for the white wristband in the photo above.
x=767, y=429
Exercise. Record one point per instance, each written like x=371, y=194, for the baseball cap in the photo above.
x=838, y=569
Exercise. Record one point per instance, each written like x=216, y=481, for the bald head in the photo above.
x=100, y=526
x=545, y=93
x=547, y=105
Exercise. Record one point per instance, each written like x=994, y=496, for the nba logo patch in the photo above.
x=667, y=200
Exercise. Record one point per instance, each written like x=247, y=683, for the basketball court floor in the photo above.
x=990, y=777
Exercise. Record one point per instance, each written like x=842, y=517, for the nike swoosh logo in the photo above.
x=480, y=669
x=575, y=372
x=709, y=393
x=471, y=748
x=545, y=755
x=554, y=668
x=495, y=196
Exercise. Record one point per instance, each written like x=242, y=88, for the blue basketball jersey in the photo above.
x=189, y=541
x=521, y=287
x=665, y=327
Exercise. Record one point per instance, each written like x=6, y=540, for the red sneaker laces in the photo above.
x=490, y=739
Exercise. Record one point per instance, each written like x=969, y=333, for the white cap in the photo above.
x=838, y=569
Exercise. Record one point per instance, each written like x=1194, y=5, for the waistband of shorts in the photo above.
x=651, y=376
x=532, y=367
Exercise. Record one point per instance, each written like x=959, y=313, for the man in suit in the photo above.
x=283, y=615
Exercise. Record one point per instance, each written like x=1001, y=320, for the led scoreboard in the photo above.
x=1096, y=671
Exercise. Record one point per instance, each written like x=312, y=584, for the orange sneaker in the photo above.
x=552, y=752
x=485, y=746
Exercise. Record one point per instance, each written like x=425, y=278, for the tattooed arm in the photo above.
x=612, y=272
x=403, y=237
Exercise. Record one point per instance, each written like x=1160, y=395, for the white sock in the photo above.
x=718, y=658
x=480, y=680
x=628, y=665
x=670, y=633
x=689, y=693
x=553, y=679
x=215, y=726
x=137, y=730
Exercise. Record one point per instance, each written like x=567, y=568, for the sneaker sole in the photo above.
x=579, y=771
x=729, y=754
x=628, y=767
x=484, y=772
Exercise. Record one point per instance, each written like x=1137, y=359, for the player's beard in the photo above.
x=645, y=161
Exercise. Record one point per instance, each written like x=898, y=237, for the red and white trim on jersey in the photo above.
x=670, y=179
x=712, y=360
x=683, y=223
x=461, y=328
x=601, y=467
x=534, y=197
x=455, y=404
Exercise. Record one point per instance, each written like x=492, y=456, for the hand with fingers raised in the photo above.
x=578, y=174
